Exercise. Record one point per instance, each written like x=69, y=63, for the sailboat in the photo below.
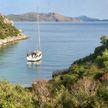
x=36, y=55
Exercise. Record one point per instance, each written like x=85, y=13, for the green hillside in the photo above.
x=6, y=28
x=83, y=85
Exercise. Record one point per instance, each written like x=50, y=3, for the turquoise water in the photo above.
x=61, y=44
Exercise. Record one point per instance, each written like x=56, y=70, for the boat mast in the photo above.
x=38, y=28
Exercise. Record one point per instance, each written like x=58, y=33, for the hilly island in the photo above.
x=51, y=17
x=47, y=17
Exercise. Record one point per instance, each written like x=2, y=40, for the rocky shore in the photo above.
x=7, y=40
x=8, y=32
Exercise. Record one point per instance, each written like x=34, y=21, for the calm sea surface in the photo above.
x=61, y=44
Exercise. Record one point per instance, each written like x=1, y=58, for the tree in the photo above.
x=104, y=40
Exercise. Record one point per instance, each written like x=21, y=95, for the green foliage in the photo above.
x=14, y=96
x=67, y=79
x=7, y=30
x=102, y=60
x=98, y=75
x=47, y=105
x=104, y=40
x=78, y=69
x=103, y=93
x=66, y=100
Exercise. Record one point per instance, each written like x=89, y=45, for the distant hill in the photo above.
x=85, y=18
x=89, y=19
x=51, y=17
x=48, y=17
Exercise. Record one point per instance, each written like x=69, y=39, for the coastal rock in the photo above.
x=6, y=20
x=7, y=40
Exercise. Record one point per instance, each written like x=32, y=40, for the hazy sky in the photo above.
x=91, y=8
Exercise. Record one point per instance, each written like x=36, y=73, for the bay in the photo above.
x=61, y=44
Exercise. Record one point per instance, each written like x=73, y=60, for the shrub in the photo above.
x=102, y=93
x=14, y=96
x=67, y=79
x=104, y=40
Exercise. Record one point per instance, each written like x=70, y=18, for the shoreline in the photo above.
x=61, y=22
x=8, y=40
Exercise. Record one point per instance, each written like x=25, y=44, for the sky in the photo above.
x=72, y=8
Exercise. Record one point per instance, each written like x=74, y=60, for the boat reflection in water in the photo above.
x=33, y=64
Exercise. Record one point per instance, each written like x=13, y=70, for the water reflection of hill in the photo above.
x=5, y=49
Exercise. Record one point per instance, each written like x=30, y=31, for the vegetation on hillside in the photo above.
x=83, y=85
x=14, y=96
x=7, y=29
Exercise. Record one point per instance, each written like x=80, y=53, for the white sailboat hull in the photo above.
x=33, y=59
x=37, y=56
